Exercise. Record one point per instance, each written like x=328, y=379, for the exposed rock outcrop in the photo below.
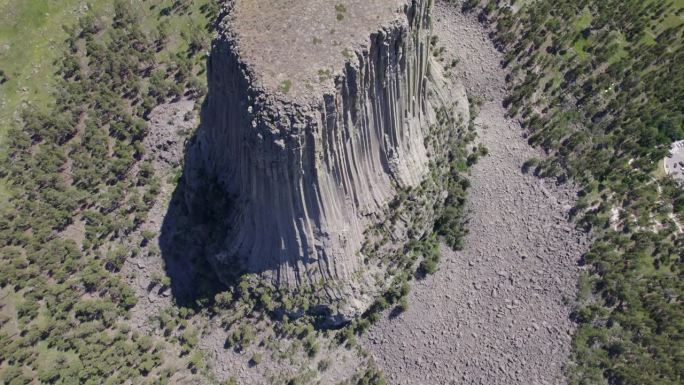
x=311, y=134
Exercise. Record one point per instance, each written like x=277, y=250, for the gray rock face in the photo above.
x=307, y=172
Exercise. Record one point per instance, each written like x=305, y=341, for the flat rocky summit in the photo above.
x=295, y=47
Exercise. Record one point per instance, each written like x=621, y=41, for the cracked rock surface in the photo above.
x=495, y=312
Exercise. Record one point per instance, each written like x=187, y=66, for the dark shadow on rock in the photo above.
x=395, y=312
x=191, y=229
x=193, y=281
x=201, y=215
x=196, y=227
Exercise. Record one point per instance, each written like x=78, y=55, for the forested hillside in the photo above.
x=79, y=185
x=599, y=86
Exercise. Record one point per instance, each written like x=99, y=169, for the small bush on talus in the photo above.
x=528, y=164
x=430, y=261
x=403, y=305
x=241, y=338
x=285, y=86
x=323, y=365
x=196, y=361
x=371, y=376
x=429, y=264
x=311, y=346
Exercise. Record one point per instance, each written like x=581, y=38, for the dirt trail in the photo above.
x=495, y=312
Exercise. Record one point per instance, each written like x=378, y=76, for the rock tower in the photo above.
x=317, y=114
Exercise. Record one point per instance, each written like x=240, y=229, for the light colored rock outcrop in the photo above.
x=311, y=151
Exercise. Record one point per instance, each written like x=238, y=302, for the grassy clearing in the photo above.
x=582, y=22
x=32, y=40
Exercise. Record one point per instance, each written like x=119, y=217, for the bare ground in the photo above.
x=496, y=312
x=164, y=146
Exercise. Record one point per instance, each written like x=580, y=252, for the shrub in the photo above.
x=241, y=338
x=324, y=364
x=196, y=361
x=256, y=359
x=311, y=346
x=403, y=305
x=285, y=86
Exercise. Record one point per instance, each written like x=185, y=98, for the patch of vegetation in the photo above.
x=241, y=338
x=595, y=83
x=347, y=53
x=429, y=249
x=285, y=86
x=324, y=74
x=369, y=376
x=340, y=11
x=74, y=162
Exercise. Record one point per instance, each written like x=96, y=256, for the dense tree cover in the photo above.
x=599, y=85
x=78, y=161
